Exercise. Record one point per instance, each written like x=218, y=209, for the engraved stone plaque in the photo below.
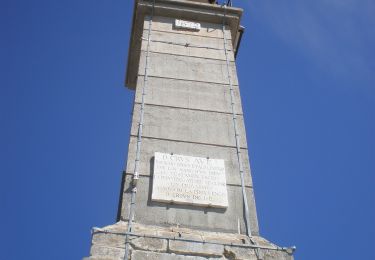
x=187, y=25
x=189, y=180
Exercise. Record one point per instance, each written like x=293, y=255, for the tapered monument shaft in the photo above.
x=187, y=190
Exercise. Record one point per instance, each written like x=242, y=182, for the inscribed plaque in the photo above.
x=189, y=180
x=187, y=25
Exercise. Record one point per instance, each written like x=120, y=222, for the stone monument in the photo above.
x=186, y=191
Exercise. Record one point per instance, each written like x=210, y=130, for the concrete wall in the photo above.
x=191, y=95
x=188, y=111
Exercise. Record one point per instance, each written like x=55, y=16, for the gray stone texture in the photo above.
x=240, y=253
x=190, y=95
x=187, y=68
x=156, y=242
x=107, y=252
x=149, y=244
x=202, y=249
x=140, y=255
x=186, y=125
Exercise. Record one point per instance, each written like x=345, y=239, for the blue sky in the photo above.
x=306, y=71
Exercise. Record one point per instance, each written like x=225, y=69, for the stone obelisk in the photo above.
x=186, y=191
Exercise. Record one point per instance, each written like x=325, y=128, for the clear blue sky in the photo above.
x=306, y=72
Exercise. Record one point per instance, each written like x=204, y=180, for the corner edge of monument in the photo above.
x=211, y=13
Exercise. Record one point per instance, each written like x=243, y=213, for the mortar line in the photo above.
x=190, y=56
x=190, y=80
x=193, y=109
x=187, y=45
x=189, y=142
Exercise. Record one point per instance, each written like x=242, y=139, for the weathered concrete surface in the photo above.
x=180, y=37
x=149, y=244
x=195, y=217
x=202, y=249
x=228, y=154
x=107, y=252
x=190, y=95
x=187, y=68
x=187, y=45
x=175, y=243
x=141, y=255
x=186, y=125
x=239, y=253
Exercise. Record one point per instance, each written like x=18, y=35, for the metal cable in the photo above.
x=139, y=140
x=236, y=134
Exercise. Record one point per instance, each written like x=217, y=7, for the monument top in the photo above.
x=189, y=10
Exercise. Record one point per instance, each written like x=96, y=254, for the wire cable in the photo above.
x=236, y=134
x=139, y=140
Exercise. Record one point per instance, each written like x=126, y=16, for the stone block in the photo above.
x=189, y=95
x=112, y=253
x=194, y=248
x=276, y=255
x=173, y=248
x=97, y=258
x=187, y=68
x=107, y=239
x=189, y=126
x=240, y=253
x=149, y=244
x=142, y=255
x=228, y=154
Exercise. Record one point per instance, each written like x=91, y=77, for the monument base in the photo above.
x=167, y=243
